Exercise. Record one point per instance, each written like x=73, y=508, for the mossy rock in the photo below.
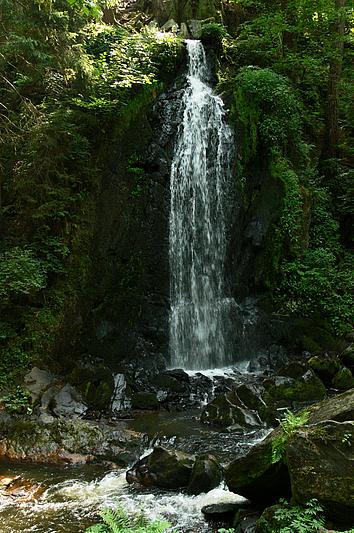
x=207, y=474
x=324, y=367
x=343, y=380
x=145, y=400
x=260, y=475
x=308, y=388
x=167, y=383
x=268, y=523
x=96, y=383
x=320, y=460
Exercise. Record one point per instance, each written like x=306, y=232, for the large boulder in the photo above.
x=339, y=408
x=67, y=441
x=260, y=475
x=167, y=469
x=320, y=460
x=206, y=474
x=37, y=381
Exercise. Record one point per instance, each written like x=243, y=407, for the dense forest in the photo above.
x=91, y=111
x=75, y=72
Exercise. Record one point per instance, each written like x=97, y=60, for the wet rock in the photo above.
x=252, y=397
x=260, y=475
x=37, y=381
x=339, y=408
x=145, y=400
x=162, y=468
x=320, y=460
x=343, y=379
x=220, y=511
x=325, y=367
x=207, y=474
x=227, y=410
x=68, y=403
x=245, y=520
x=67, y=441
x=19, y=489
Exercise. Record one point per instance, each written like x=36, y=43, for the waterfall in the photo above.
x=200, y=179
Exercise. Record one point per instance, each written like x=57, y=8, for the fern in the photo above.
x=118, y=521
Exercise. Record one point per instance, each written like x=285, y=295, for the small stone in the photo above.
x=37, y=381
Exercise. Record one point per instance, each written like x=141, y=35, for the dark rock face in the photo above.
x=320, y=460
x=162, y=468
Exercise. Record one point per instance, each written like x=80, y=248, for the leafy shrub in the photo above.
x=20, y=273
x=296, y=519
x=17, y=401
x=212, y=33
x=267, y=108
x=119, y=522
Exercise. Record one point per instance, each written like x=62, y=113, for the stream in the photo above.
x=68, y=498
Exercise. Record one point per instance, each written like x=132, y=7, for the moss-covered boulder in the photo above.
x=260, y=475
x=320, y=460
x=343, y=379
x=285, y=390
x=339, y=408
x=167, y=469
x=207, y=474
x=67, y=441
x=325, y=367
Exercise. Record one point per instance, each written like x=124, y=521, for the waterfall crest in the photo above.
x=200, y=177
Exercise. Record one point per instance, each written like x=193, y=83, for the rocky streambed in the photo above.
x=180, y=444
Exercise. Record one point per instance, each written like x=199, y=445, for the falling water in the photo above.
x=200, y=176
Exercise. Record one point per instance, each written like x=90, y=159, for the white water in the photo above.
x=200, y=175
x=67, y=506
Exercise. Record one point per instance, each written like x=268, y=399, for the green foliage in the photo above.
x=20, y=273
x=267, y=108
x=296, y=519
x=68, y=83
x=289, y=424
x=17, y=401
x=117, y=521
x=212, y=33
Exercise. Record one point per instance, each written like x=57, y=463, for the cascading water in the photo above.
x=200, y=176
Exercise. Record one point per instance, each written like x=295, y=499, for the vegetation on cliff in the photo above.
x=67, y=81
x=287, y=65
